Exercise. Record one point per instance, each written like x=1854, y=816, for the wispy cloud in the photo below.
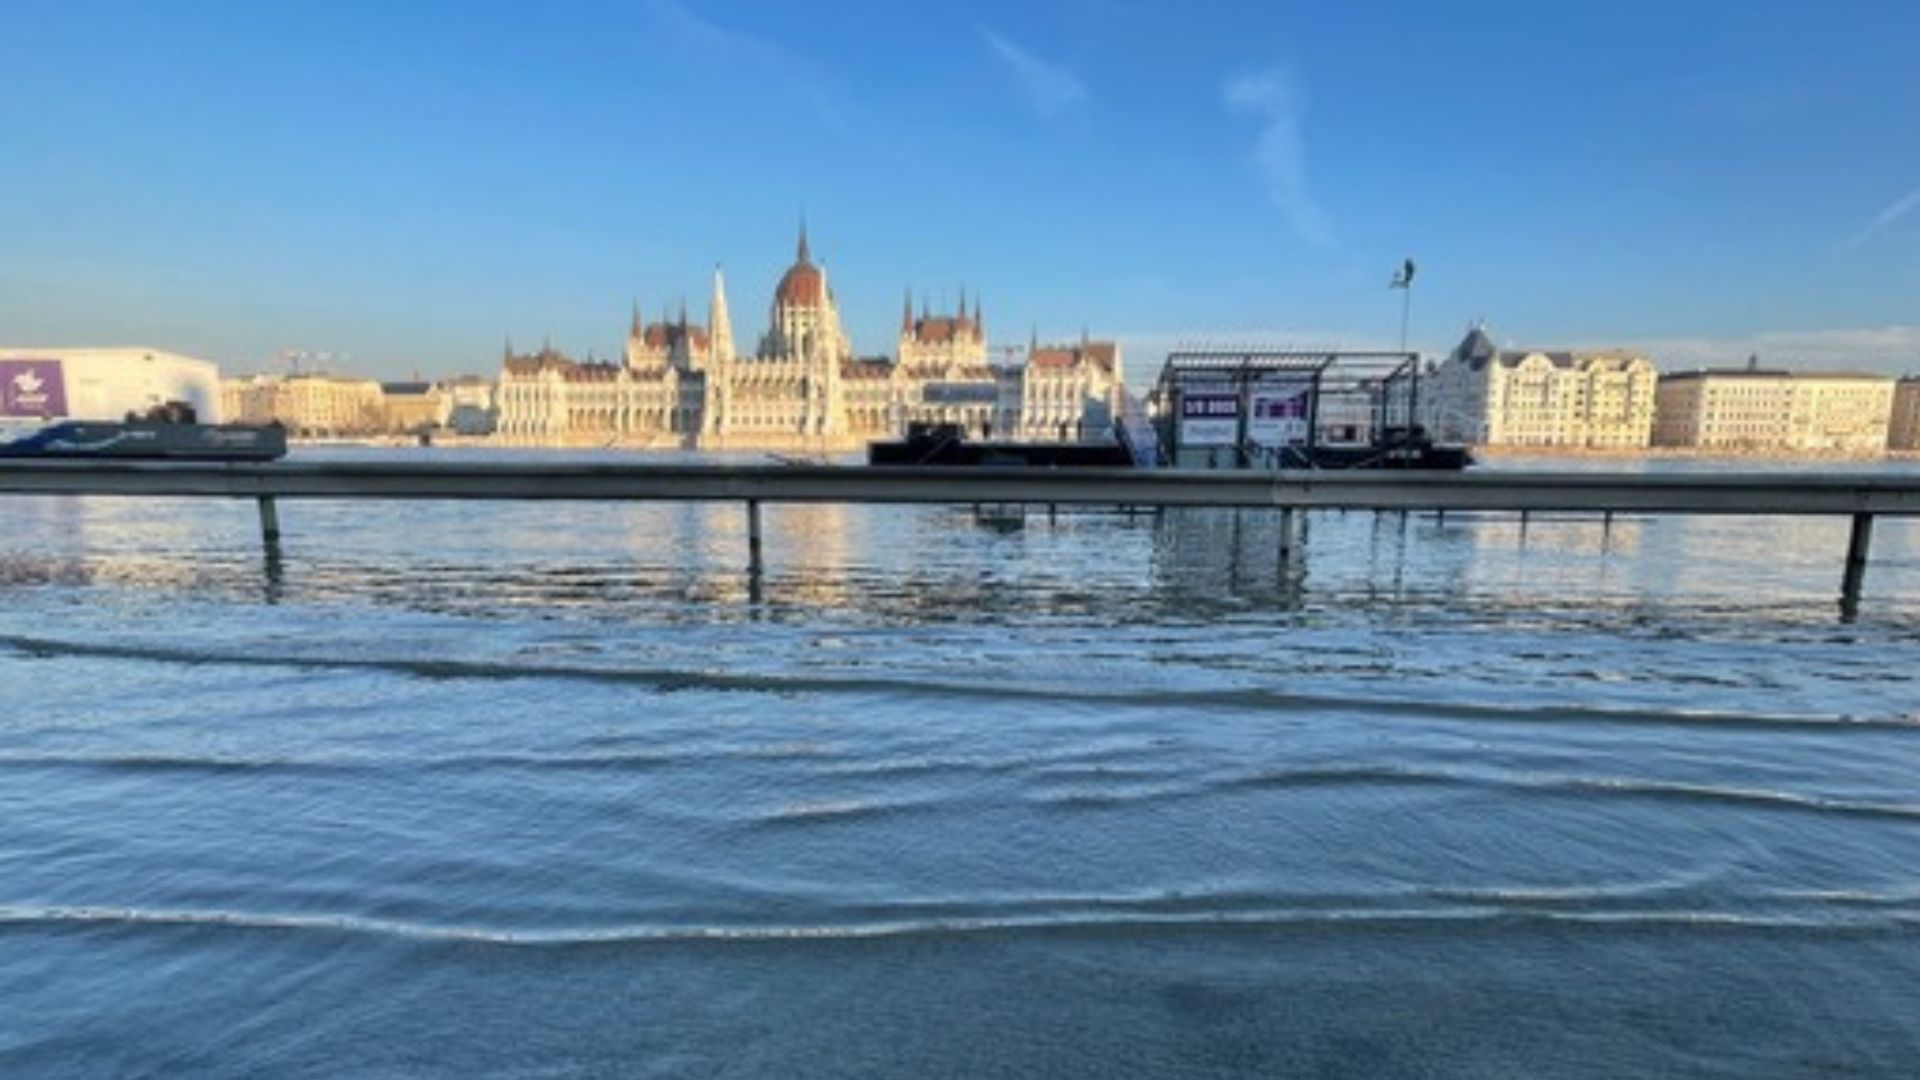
x=1894, y=348
x=714, y=49
x=1050, y=88
x=1281, y=150
x=1897, y=209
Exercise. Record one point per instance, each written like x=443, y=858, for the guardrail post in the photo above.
x=1859, y=539
x=754, y=565
x=269, y=521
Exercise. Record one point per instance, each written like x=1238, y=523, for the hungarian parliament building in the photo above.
x=682, y=385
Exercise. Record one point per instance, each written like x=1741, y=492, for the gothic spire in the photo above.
x=906, y=313
x=634, y=328
x=719, y=324
x=804, y=256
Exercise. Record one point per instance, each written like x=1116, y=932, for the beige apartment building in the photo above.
x=312, y=405
x=1903, y=430
x=410, y=408
x=1487, y=396
x=1757, y=410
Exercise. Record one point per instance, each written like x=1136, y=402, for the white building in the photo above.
x=1070, y=392
x=1758, y=410
x=942, y=375
x=1487, y=396
x=104, y=384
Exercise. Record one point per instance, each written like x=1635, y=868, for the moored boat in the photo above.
x=148, y=439
x=947, y=444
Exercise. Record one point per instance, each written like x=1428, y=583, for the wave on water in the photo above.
x=236, y=766
x=1240, y=698
x=1069, y=788
x=1629, y=787
x=1487, y=911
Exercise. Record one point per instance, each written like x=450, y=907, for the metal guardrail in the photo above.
x=1859, y=497
x=1705, y=493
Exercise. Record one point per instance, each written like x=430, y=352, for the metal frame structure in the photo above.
x=1388, y=383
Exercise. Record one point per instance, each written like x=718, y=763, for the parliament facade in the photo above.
x=681, y=385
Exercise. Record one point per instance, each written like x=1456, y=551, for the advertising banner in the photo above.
x=36, y=388
x=1209, y=418
x=1280, y=416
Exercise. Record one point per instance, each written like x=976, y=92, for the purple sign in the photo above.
x=1280, y=416
x=32, y=388
x=1196, y=406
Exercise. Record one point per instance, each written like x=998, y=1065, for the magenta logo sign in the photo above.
x=32, y=388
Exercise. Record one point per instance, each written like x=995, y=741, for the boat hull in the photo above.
x=962, y=452
x=143, y=440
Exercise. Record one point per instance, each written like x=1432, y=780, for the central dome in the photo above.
x=803, y=284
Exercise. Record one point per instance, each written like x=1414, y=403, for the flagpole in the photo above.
x=1406, y=310
x=1403, y=280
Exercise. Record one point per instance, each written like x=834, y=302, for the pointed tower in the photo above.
x=979, y=320
x=719, y=324
x=906, y=313
x=803, y=256
x=634, y=328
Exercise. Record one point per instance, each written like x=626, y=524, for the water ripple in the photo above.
x=1488, y=911
x=1242, y=698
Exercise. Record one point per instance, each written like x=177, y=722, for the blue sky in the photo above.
x=405, y=184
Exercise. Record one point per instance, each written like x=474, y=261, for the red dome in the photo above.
x=801, y=285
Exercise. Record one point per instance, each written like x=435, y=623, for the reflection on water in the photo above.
x=943, y=562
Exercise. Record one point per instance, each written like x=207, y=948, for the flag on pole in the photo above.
x=1402, y=278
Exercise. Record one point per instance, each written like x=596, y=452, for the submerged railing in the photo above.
x=1858, y=497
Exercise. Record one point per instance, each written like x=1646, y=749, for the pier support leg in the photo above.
x=269, y=522
x=1286, y=535
x=1858, y=541
x=754, y=564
